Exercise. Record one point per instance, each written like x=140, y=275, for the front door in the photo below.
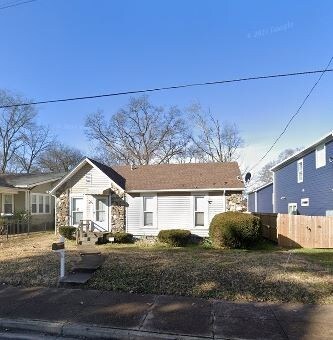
x=77, y=210
x=101, y=212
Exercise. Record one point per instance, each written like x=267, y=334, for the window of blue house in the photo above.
x=300, y=171
x=320, y=156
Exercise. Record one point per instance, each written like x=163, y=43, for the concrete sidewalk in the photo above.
x=98, y=314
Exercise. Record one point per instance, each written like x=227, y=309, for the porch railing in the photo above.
x=87, y=226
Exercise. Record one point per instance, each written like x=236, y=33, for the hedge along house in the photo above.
x=28, y=193
x=261, y=199
x=303, y=183
x=143, y=200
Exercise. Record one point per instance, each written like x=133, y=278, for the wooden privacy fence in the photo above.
x=298, y=230
x=269, y=226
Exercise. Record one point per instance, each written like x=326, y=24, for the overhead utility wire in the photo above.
x=295, y=114
x=16, y=4
x=218, y=82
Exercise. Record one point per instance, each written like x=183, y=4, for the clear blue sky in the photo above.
x=58, y=48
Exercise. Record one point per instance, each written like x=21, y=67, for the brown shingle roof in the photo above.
x=181, y=176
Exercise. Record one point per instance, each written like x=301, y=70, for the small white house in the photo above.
x=143, y=200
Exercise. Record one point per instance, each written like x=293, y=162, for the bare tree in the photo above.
x=264, y=175
x=59, y=158
x=14, y=122
x=35, y=141
x=140, y=133
x=215, y=141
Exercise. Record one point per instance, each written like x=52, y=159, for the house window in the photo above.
x=40, y=204
x=33, y=204
x=7, y=207
x=199, y=211
x=292, y=208
x=88, y=178
x=300, y=171
x=320, y=156
x=305, y=202
x=47, y=204
x=148, y=211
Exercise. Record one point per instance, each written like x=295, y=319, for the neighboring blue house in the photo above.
x=261, y=199
x=302, y=184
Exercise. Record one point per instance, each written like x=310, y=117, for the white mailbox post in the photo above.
x=59, y=247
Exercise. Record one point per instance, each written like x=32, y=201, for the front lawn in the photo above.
x=253, y=275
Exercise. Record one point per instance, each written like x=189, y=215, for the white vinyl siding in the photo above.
x=320, y=156
x=172, y=211
x=89, y=180
x=216, y=205
x=300, y=174
x=133, y=215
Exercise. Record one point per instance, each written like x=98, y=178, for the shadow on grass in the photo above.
x=228, y=275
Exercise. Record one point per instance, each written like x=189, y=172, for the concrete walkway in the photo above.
x=97, y=314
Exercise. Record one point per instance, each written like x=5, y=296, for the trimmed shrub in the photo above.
x=122, y=237
x=235, y=230
x=175, y=237
x=67, y=232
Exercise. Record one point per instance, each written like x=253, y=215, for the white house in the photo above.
x=143, y=200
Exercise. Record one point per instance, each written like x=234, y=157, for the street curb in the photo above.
x=52, y=328
x=87, y=331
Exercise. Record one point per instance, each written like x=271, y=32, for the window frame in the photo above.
x=144, y=211
x=299, y=178
x=195, y=211
x=71, y=208
x=294, y=205
x=305, y=202
x=3, y=204
x=37, y=196
x=322, y=148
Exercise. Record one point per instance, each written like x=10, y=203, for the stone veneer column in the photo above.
x=62, y=203
x=118, y=204
x=234, y=201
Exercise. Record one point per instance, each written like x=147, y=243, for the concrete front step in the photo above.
x=91, y=237
x=75, y=278
x=88, y=263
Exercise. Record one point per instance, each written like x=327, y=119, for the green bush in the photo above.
x=235, y=230
x=175, y=237
x=122, y=237
x=67, y=232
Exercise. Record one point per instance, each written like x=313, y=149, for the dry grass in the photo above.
x=195, y=271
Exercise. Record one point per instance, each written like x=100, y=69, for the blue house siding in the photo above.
x=317, y=185
x=251, y=202
x=264, y=200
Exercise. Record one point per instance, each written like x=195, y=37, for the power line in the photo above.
x=17, y=3
x=166, y=88
x=294, y=115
